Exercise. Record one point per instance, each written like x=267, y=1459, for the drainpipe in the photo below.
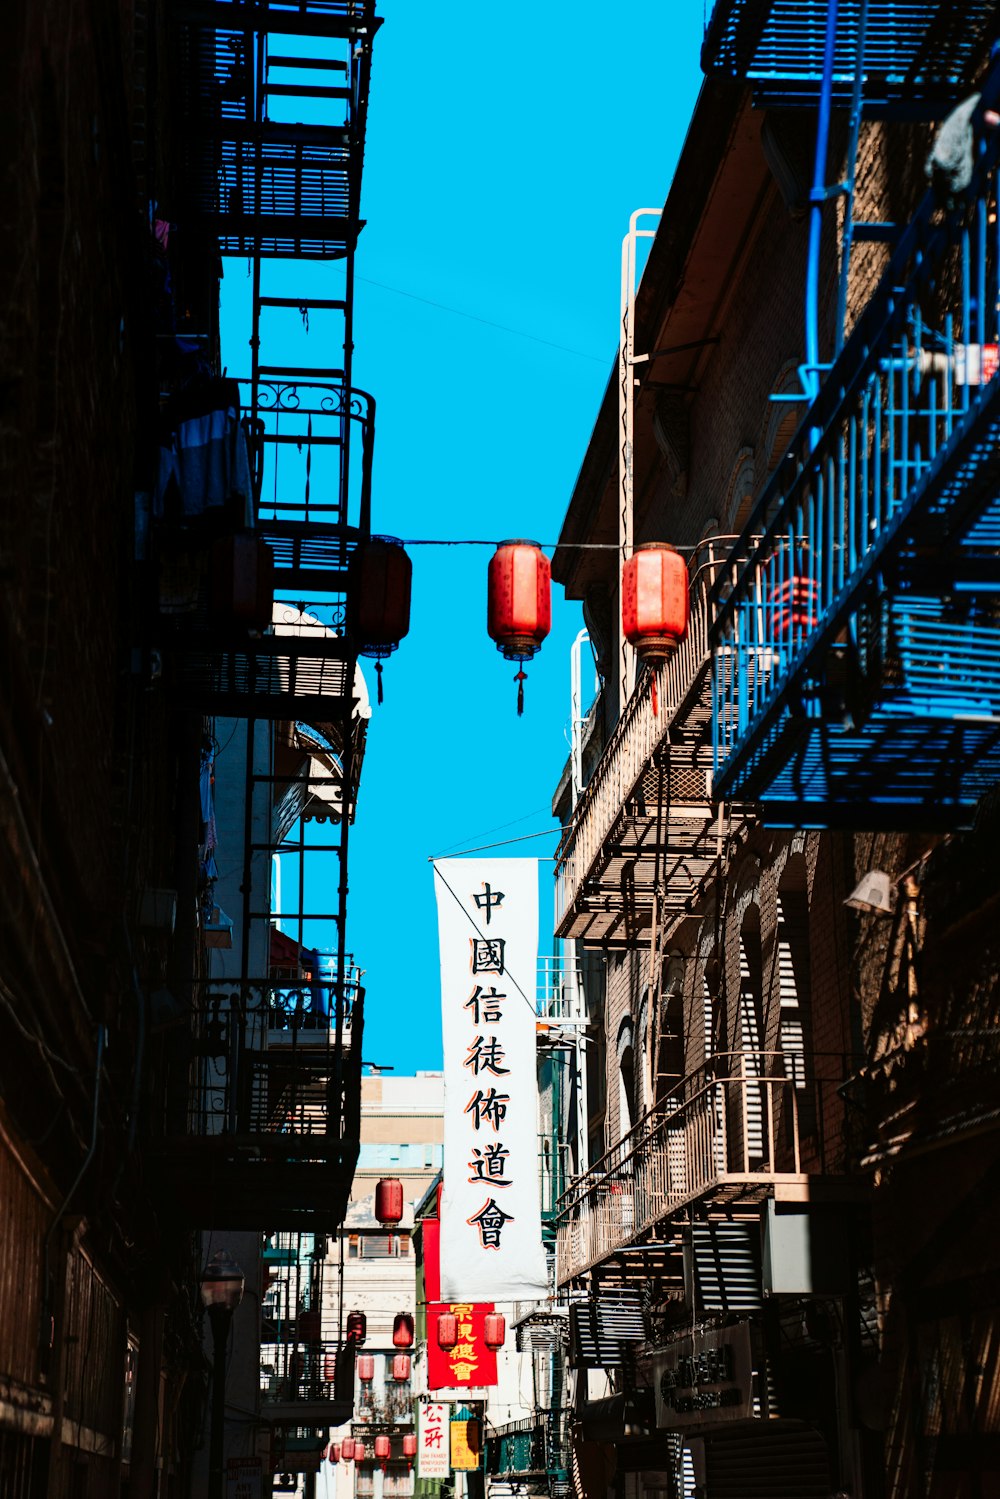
x=810, y=370
x=576, y=718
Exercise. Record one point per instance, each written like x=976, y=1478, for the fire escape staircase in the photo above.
x=856, y=644
x=645, y=827
x=273, y=97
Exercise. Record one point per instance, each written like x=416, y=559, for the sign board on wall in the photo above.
x=470, y=1362
x=433, y=1452
x=491, y=1240
x=243, y=1478
x=465, y=1444
x=698, y=1382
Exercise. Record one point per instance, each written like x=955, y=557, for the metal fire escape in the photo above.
x=856, y=644
x=273, y=98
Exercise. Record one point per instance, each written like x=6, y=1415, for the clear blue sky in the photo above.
x=505, y=152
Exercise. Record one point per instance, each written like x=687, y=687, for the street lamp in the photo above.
x=221, y=1293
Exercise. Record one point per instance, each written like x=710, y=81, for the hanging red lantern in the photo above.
x=382, y=1448
x=359, y=1452
x=389, y=1201
x=357, y=1328
x=494, y=1331
x=329, y=1367
x=379, y=578
x=447, y=1330
x=366, y=1368
x=519, y=605
x=401, y=1366
x=655, y=601
x=347, y=1449
x=409, y=1445
x=334, y=1453
x=402, y=1330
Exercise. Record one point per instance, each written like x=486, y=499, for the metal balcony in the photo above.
x=733, y=1131
x=274, y=126
x=857, y=641
x=645, y=823
x=270, y=1132
x=918, y=57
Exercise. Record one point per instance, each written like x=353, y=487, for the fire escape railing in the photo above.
x=856, y=647
x=741, y=1123
x=917, y=57
x=667, y=704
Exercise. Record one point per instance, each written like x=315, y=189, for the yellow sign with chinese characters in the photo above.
x=465, y=1444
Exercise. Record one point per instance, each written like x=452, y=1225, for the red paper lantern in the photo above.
x=382, y=1448
x=241, y=581
x=334, y=1453
x=402, y=1331
x=366, y=1368
x=447, y=1330
x=329, y=1367
x=409, y=1445
x=379, y=579
x=347, y=1449
x=359, y=1452
x=494, y=1330
x=401, y=1366
x=389, y=1201
x=655, y=601
x=357, y=1328
x=519, y=605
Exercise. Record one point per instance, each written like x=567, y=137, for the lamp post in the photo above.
x=221, y=1293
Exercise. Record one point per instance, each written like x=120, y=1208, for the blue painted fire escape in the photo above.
x=856, y=644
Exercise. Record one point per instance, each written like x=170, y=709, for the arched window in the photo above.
x=627, y=1111
x=740, y=493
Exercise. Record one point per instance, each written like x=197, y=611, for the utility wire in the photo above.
x=486, y=322
x=482, y=847
x=468, y=916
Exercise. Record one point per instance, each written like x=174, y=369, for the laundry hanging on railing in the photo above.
x=204, y=465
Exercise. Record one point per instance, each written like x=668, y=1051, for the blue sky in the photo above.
x=505, y=152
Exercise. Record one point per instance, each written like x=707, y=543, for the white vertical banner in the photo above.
x=491, y=1232
x=433, y=1450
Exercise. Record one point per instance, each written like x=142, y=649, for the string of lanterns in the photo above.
x=654, y=599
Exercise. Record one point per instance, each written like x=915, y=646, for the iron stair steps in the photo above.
x=313, y=304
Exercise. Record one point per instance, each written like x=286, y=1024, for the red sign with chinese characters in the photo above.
x=470, y=1362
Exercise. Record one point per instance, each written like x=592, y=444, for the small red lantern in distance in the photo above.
x=334, y=1453
x=382, y=1448
x=519, y=604
x=347, y=1449
x=366, y=1368
x=655, y=601
x=329, y=1367
x=401, y=1366
x=379, y=578
x=447, y=1330
x=494, y=1331
x=389, y=1201
x=359, y=1452
x=402, y=1331
x=409, y=1445
x=357, y=1327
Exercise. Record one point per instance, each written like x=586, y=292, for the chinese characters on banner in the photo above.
x=491, y=1241
x=465, y=1444
x=433, y=1436
x=470, y=1363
